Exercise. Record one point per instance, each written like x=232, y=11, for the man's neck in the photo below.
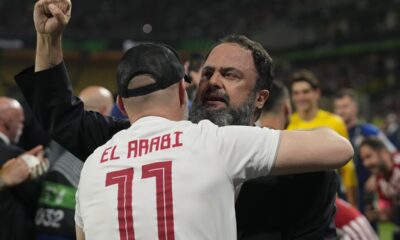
x=173, y=116
x=308, y=115
x=272, y=121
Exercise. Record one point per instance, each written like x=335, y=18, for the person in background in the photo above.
x=98, y=99
x=346, y=106
x=295, y=206
x=306, y=92
x=193, y=71
x=18, y=195
x=392, y=129
x=115, y=112
x=56, y=208
x=385, y=169
x=277, y=110
x=351, y=224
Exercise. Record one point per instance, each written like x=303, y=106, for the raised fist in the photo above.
x=51, y=16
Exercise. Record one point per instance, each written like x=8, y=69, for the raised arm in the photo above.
x=50, y=17
x=314, y=150
x=249, y=152
x=48, y=90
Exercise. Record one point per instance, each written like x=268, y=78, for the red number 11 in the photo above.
x=124, y=180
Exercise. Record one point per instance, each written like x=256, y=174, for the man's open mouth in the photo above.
x=215, y=101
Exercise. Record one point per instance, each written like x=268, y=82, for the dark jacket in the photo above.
x=17, y=204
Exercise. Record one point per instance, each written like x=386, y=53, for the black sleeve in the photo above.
x=49, y=94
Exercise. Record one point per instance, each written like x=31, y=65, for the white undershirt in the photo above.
x=4, y=138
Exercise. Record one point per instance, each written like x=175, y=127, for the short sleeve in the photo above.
x=246, y=152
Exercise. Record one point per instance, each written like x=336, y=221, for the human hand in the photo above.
x=14, y=172
x=36, y=162
x=51, y=17
x=370, y=184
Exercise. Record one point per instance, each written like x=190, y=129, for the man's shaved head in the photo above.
x=11, y=118
x=160, y=101
x=96, y=98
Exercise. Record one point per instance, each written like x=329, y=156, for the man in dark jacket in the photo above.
x=17, y=195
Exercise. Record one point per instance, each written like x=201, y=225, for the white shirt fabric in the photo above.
x=4, y=138
x=208, y=164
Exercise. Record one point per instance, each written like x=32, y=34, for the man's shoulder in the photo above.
x=322, y=118
x=328, y=116
x=294, y=117
x=295, y=120
x=331, y=120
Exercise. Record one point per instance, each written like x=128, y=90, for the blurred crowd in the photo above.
x=291, y=25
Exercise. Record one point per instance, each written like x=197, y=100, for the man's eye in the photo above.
x=230, y=75
x=206, y=75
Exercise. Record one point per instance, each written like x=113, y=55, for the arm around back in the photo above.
x=313, y=150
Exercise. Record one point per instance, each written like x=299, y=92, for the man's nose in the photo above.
x=216, y=80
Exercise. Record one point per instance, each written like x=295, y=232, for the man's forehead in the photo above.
x=230, y=55
x=301, y=85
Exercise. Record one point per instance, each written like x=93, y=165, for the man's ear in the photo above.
x=182, y=93
x=261, y=98
x=287, y=108
x=121, y=106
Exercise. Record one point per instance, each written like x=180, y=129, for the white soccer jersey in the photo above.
x=162, y=179
x=357, y=229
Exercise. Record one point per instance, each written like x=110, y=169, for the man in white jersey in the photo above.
x=167, y=178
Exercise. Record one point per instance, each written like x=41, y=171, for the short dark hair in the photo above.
x=346, y=92
x=373, y=142
x=262, y=60
x=304, y=75
x=278, y=94
x=195, y=60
